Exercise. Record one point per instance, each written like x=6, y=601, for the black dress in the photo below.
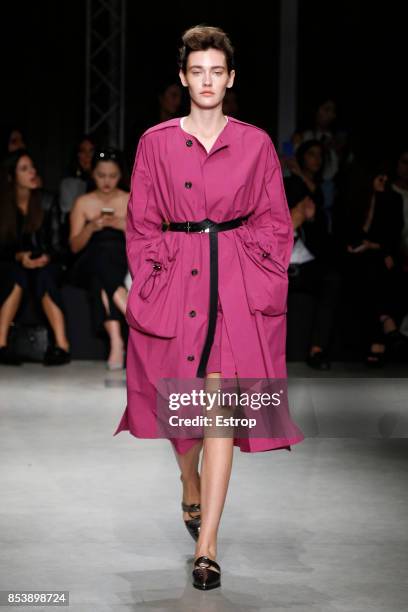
x=102, y=264
x=45, y=240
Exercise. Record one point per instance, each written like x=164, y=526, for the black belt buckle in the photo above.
x=207, y=229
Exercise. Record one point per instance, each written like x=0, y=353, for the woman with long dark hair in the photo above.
x=29, y=254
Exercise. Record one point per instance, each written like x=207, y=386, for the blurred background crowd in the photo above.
x=63, y=195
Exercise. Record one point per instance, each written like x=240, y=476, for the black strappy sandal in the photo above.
x=204, y=577
x=192, y=524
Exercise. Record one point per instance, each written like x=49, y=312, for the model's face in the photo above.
x=170, y=99
x=207, y=77
x=402, y=167
x=26, y=174
x=85, y=152
x=313, y=160
x=106, y=176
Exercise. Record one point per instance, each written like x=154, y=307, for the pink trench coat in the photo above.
x=175, y=179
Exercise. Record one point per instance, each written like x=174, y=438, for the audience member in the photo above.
x=29, y=258
x=97, y=225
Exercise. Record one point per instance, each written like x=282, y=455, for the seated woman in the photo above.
x=372, y=236
x=97, y=225
x=28, y=255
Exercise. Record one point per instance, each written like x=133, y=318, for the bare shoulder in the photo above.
x=80, y=202
x=123, y=194
x=123, y=197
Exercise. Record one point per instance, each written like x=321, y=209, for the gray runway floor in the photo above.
x=323, y=528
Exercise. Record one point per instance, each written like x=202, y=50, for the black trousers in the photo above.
x=36, y=281
x=101, y=266
x=322, y=280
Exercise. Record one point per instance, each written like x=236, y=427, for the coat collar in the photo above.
x=224, y=139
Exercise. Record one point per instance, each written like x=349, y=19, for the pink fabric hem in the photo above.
x=182, y=446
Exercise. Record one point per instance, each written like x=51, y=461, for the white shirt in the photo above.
x=300, y=253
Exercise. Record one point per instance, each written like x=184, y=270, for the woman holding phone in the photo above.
x=97, y=225
x=29, y=255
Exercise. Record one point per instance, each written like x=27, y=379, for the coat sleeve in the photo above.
x=266, y=240
x=145, y=240
x=269, y=228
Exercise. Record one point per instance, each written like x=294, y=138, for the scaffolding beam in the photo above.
x=105, y=70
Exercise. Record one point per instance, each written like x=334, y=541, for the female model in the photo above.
x=209, y=238
x=97, y=223
x=29, y=255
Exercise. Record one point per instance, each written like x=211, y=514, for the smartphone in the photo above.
x=108, y=211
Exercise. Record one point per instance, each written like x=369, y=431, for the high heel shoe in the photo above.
x=204, y=577
x=192, y=524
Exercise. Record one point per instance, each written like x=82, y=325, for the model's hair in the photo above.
x=8, y=202
x=201, y=38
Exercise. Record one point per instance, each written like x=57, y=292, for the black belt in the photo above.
x=212, y=229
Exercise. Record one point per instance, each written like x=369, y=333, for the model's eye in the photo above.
x=218, y=73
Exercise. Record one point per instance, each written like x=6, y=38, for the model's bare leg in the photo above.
x=8, y=312
x=115, y=337
x=56, y=318
x=215, y=476
x=188, y=463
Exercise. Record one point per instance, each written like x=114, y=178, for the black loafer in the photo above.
x=9, y=358
x=204, y=577
x=54, y=355
x=319, y=361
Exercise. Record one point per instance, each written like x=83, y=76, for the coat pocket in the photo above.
x=265, y=277
x=153, y=299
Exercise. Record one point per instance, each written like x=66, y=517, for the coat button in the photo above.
x=192, y=313
x=194, y=271
x=265, y=254
x=189, y=143
x=188, y=185
x=190, y=357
